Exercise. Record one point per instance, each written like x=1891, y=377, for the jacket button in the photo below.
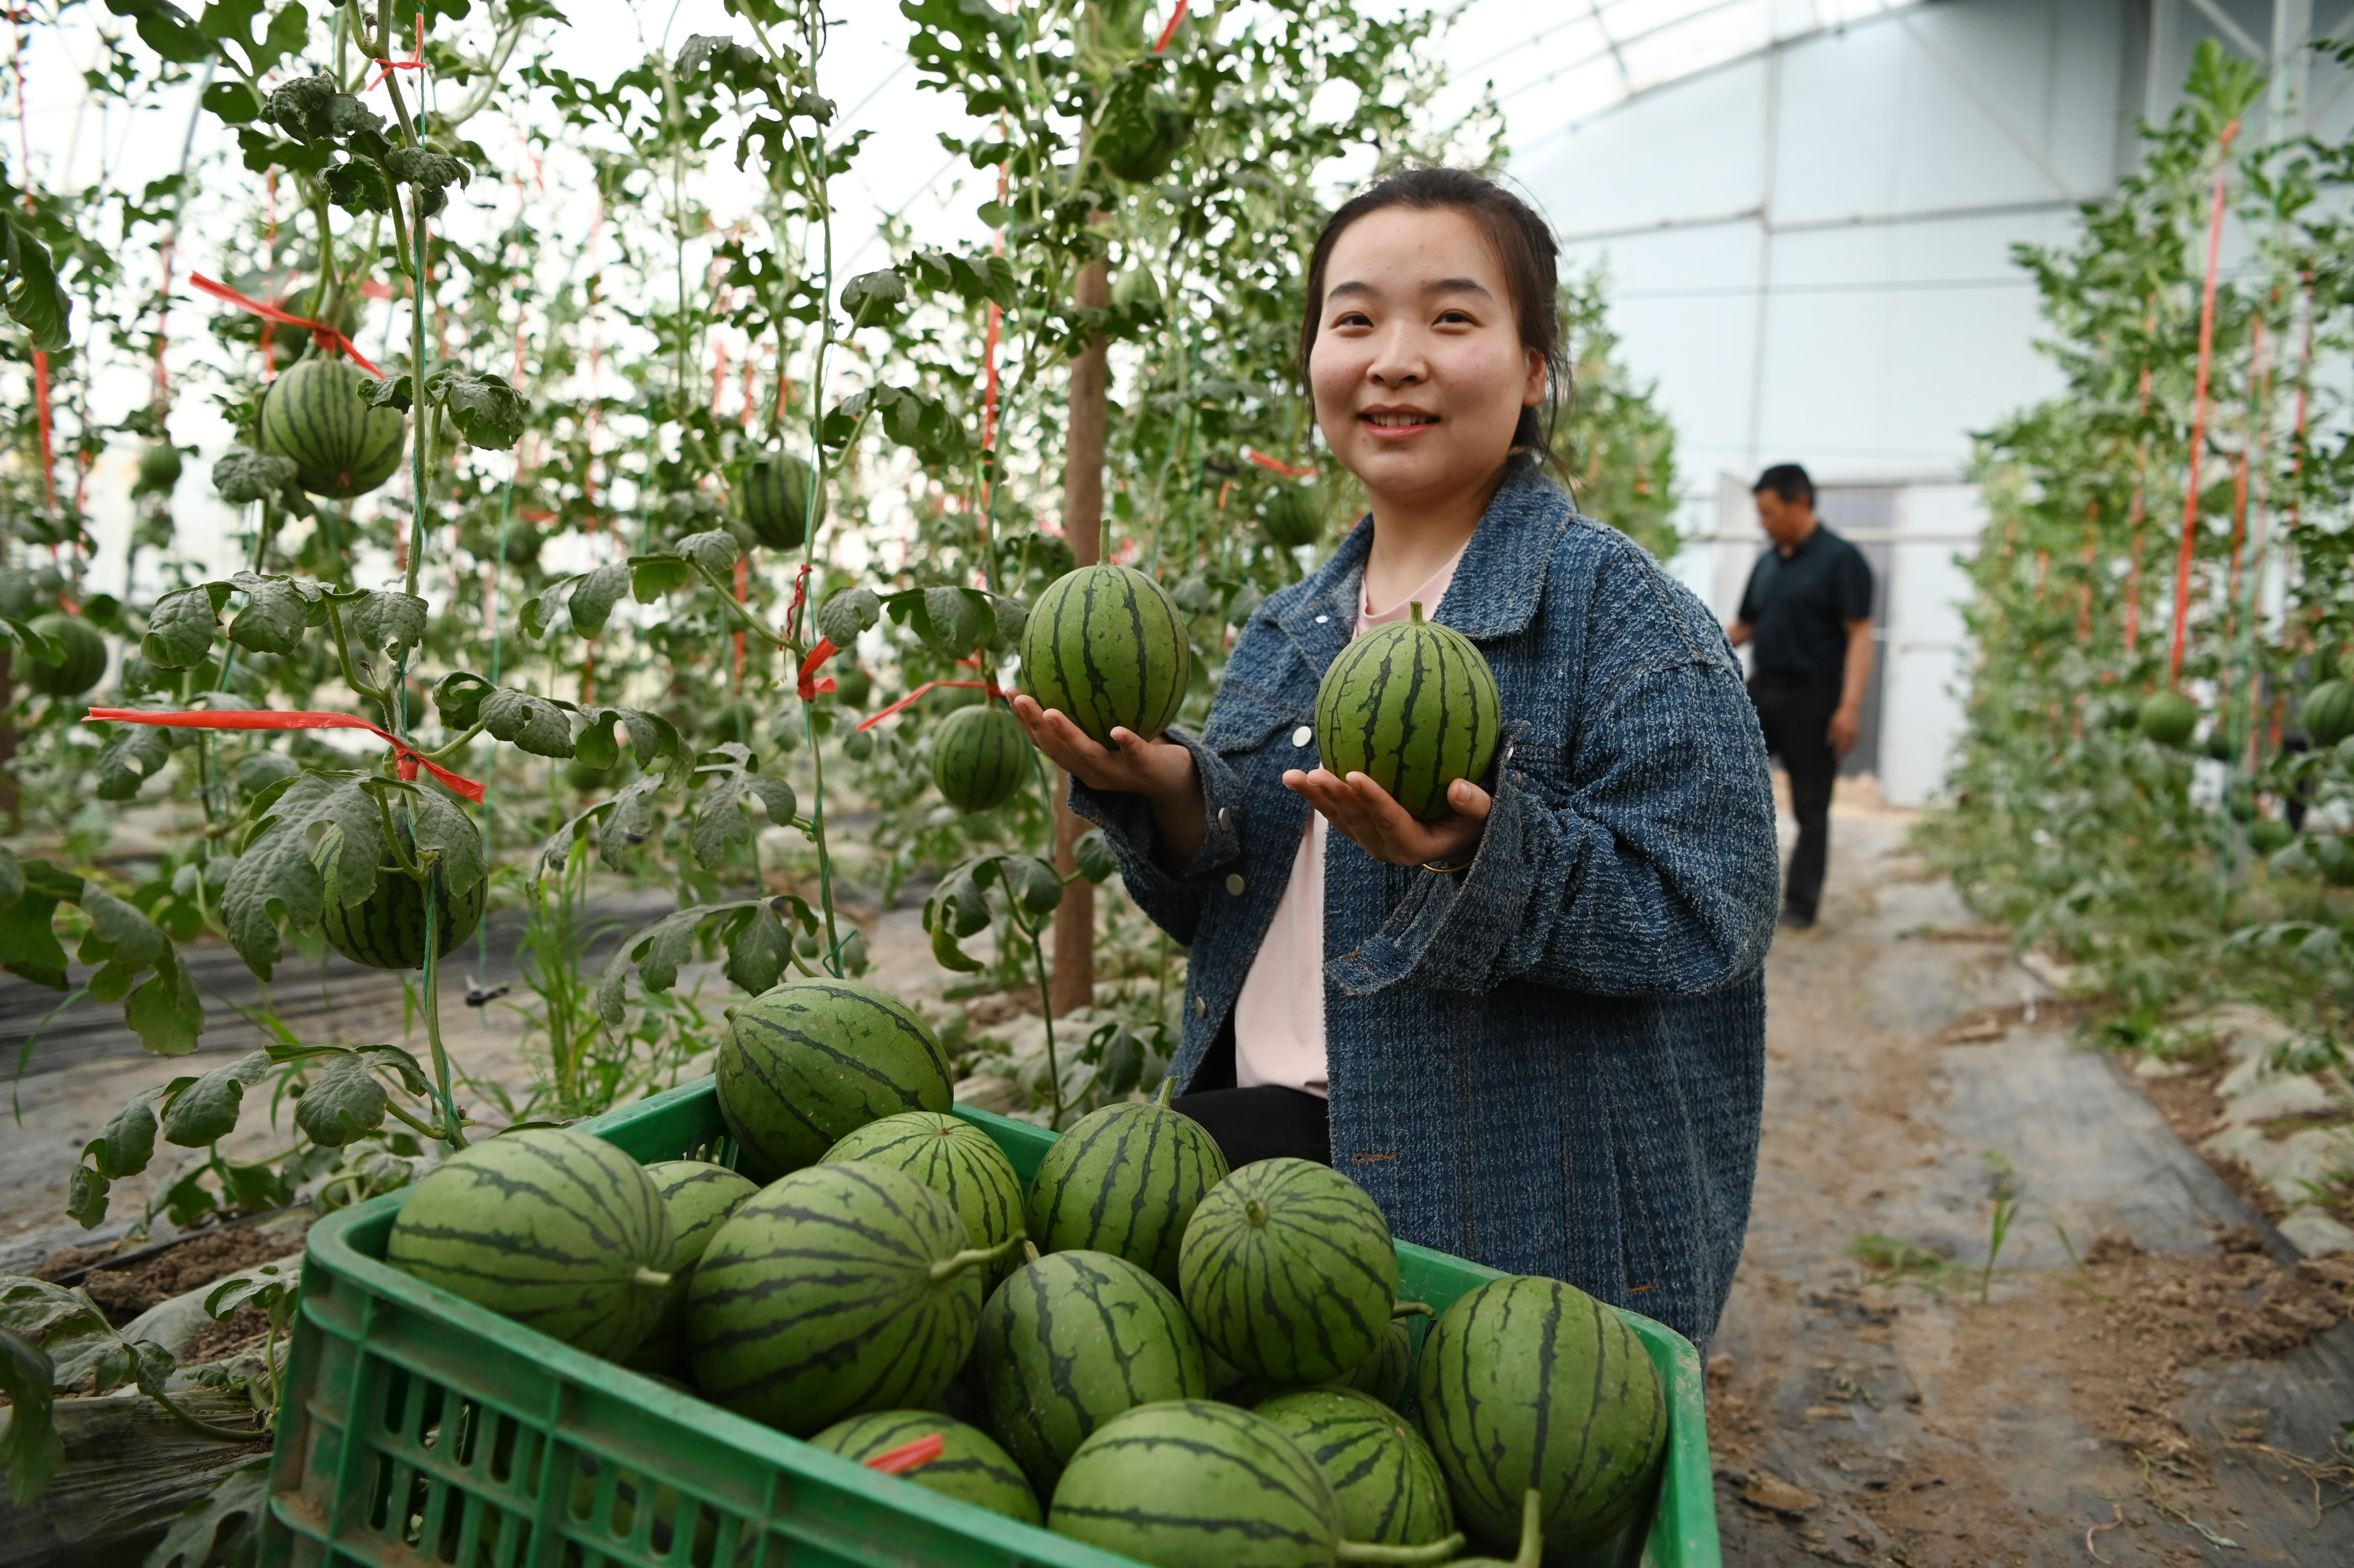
x=1226, y=819
x=1302, y=736
x=1201, y=1008
x=1234, y=884
x=1323, y=619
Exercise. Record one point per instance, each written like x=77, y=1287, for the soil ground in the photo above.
x=2172, y=1395
x=2147, y=1377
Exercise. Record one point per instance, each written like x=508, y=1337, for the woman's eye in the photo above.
x=1455, y=318
x=1354, y=318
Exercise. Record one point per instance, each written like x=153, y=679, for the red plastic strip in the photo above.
x=911, y=699
x=416, y=62
x=1170, y=31
x=1278, y=465
x=411, y=758
x=2199, y=405
x=321, y=332
x=908, y=1455
x=810, y=687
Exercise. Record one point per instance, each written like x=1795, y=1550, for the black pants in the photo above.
x=1795, y=711
x=1262, y=1123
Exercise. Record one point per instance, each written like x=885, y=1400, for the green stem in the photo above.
x=947, y=1268
x=201, y=1427
x=454, y=1136
x=1435, y=1552
x=1047, y=1011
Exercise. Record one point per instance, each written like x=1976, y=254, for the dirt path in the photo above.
x=2154, y=1394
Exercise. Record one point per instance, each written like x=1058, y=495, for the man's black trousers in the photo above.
x=1795, y=710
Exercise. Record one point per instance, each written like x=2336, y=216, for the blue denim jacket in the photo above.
x=1554, y=1063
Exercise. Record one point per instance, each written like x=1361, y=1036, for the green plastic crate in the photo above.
x=420, y=1428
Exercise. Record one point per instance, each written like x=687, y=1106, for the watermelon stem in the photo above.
x=1408, y=1556
x=650, y=1279
x=947, y=1268
x=1413, y=608
x=1411, y=1309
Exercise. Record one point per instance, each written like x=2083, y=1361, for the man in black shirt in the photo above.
x=1808, y=608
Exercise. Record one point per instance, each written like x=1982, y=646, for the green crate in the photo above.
x=420, y=1428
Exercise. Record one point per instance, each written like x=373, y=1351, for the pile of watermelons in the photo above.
x=1141, y=1350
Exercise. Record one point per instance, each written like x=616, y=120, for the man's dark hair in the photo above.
x=1787, y=479
x=1525, y=248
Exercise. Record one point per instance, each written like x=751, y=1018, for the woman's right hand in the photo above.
x=1160, y=770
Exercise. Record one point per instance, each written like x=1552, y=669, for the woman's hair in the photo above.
x=1525, y=248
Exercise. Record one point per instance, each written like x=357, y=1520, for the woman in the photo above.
x=1539, y=1036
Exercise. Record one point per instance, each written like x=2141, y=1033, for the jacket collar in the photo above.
x=1496, y=589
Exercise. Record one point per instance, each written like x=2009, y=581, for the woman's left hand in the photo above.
x=1366, y=812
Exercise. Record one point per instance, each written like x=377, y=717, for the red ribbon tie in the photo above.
x=908, y=1455
x=810, y=685
x=415, y=62
x=411, y=758
x=322, y=334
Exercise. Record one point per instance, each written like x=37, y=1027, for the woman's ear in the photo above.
x=1533, y=391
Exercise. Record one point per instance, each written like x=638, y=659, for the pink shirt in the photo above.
x=1279, y=1017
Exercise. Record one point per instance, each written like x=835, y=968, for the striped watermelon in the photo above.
x=1125, y=1180
x=1288, y=1270
x=699, y=1197
x=1413, y=707
x=1531, y=1383
x=954, y=1159
x=2329, y=712
x=560, y=1230
x=159, y=470
x=980, y=757
x=1190, y=1483
x=810, y=1061
x=1106, y=646
x=1293, y=516
x=971, y=1466
x=1383, y=1373
x=837, y=1290
x=1381, y=1470
x=2168, y=718
x=1072, y=1341
x=773, y=500
x=385, y=930
x=78, y=670
x=341, y=447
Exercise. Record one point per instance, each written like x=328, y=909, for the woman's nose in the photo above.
x=1395, y=361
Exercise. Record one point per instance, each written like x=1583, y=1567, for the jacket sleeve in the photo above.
x=1173, y=902
x=1639, y=861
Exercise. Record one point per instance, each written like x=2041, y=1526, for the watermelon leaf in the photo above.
x=277, y=610
x=631, y=821
x=651, y=577
x=30, y=1450
x=345, y=1103
x=204, y=1109
x=12, y=876
x=489, y=413
x=715, y=551
x=28, y=947
x=128, y=1142
x=593, y=596
x=458, y=698
x=389, y=623
x=650, y=736
x=843, y=616
x=133, y=754
x=437, y=825
x=30, y=287
x=1031, y=882
x=532, y=724
x=728, y=783
x=181, y=625
x=166, y=1011
x=758, y=950
x=1095, y=857
x=243, y=476
x=276, y=877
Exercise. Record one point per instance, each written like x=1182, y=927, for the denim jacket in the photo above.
x=1554, y=1063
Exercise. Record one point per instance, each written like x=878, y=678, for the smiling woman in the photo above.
x=1532, y=1025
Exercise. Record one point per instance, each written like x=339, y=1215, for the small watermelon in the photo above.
x=1135, y=285
x=1288, y=1270
x=2269, y=835
x=1381, y=1470
x=837, y=1290
x=2168, y=717
x=773, y=499
x=1125, y=1180
x=1293, y=516
x=1531, y=1383
x=980, y=757
x=1190, y=1483
x=560, y=1230
x=385, y=930
x=159, y=470
x=1105, y=645
x=971, y=1466
x=810, y=1061
x=698, y=1197
x=341, y=446
x=1140, y=144
x=1413, y=707
x=2333, y=856
x=1070, y=1341
x=954, y=1159
x=1384, y=1374
x=2329, y=712
x=78, y=670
